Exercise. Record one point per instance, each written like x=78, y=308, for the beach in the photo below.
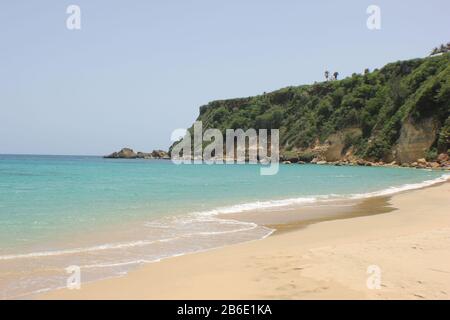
x=195, y=151
x=404, y=236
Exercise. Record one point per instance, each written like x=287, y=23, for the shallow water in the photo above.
x=108, y=215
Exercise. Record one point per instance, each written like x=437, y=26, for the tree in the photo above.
x=443, y=48
x=335, y=75
x=327, y=74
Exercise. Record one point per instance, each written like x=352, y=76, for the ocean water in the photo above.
x=107, y=216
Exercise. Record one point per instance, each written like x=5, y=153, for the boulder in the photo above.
x=434, y=165
x=443, y=157
x=405, y=164
x=291, y=156
x=360, y=162
x=422, y=161
x=159, y=154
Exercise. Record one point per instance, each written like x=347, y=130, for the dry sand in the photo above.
x=319, y=259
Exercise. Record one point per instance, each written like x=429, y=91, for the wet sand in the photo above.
x=297, y=217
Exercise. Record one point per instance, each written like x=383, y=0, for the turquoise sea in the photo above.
x=108, y=215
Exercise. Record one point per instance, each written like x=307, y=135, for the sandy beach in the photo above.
x=406, y=236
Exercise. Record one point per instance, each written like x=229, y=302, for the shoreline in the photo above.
x=303, y=211
x=291, y=218
x=149, y=273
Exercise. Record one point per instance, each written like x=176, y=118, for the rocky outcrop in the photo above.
x=127, y=153
x=160, y=154
x=442, y=163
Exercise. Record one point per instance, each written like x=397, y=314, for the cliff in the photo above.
x=397, y=113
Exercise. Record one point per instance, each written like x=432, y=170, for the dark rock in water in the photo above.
x=160, y=154
x=144, y=155
x=292, y=157
x=127, y=153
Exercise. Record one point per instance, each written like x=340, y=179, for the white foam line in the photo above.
x=258, y=205
x=33, y=293
x=208, y=233
x=139, y=243
x=405, y=187
x=118, y=264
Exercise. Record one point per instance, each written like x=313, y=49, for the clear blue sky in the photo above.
x=139, y=69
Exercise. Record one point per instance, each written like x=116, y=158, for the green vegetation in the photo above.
x=376, y=102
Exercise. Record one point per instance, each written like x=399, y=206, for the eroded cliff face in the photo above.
x=416, y=138
x=339, y=144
